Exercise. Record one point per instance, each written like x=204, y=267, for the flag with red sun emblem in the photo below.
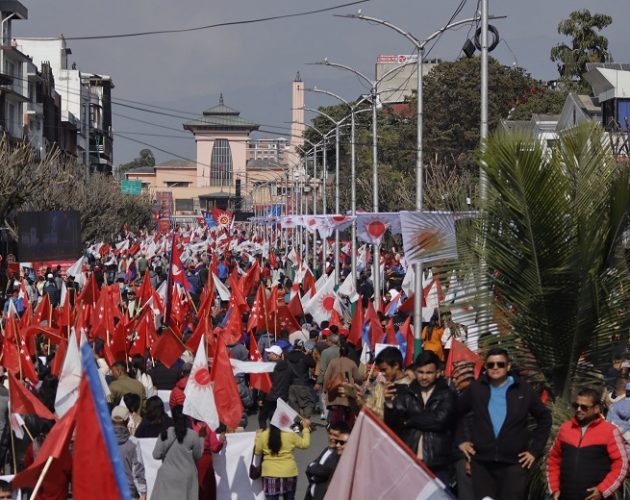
x=371, y=227
x=284, y=416
x=428, y=236
x=199, y=393
x=323, y=302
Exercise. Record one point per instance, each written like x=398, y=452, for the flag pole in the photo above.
x=40, y=479
x=10, y=428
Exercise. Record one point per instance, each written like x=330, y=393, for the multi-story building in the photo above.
x=101, y=146
x=398, y=76
x=12, y=76
x=79, y=93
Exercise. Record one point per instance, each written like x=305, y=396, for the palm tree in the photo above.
x=552, y=242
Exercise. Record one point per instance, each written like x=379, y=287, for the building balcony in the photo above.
x=34, y=108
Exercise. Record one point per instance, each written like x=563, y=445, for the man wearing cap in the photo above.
x=129, y=453
x=281, y=379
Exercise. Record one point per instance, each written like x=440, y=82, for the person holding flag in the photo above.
x=275, y=447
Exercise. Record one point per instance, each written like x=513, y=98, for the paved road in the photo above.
x=319, y=440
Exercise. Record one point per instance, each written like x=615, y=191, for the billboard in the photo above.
x=46, y=236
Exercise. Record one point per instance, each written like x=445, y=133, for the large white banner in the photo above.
x=151, y=465
x=231, y=467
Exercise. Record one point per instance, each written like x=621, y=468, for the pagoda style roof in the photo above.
x=220, y=117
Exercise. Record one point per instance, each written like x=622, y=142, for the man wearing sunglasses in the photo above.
x=320, y=471
x=495, y=438
x=588, y=459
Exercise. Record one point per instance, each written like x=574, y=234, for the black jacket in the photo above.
x=299, y=364
x=434, y=422
x=514, y=437
x=320, y=475
x=281, y=379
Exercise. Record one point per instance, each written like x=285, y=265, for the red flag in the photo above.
x=335, y=319
x=54, y=446
x=295, y=306
x=15, y=355
x=237, y=299
x=286, y=321
x=233, y=331
x=356, y=327
x=24, y=402
x=260, y=381
x=222, y=218
x=273, y=260
x=390, y=333
x=90, y=453
x=177, y=269
x=376, y=330
x=226, y=393
x=57, y=362
x=458, y=353
x=63, y=314
x=90, y=292
x=42, y=311
x=27, y=315
x=273, y=301
x=206, y=301
x=167, y=348
x=200, y=332
x=257, y=317
x=145, y=333
x=406, y=330
x=249, y=280
x=145, y=291
x=179, y=307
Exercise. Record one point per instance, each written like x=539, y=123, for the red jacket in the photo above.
x=577, y=462
x=177, y=394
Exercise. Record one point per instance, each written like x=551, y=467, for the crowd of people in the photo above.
x=480, y=434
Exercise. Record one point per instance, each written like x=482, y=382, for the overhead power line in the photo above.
x=209, y=26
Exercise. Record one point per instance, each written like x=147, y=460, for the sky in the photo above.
x=253, y=65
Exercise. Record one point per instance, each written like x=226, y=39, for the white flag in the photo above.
x=76, y=268
x=284, y=416
x=348, y=289
x=69, y=378
x=199, y=393
x=222, y=290
x=252, y=366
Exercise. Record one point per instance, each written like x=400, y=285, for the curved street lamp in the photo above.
x=419, y=46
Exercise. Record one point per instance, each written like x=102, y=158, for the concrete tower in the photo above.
x=297, y=114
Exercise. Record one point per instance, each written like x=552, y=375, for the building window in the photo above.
x=184, y=205
x=221, y=163
x=177, y=184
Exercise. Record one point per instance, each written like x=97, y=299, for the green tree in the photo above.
x=145, y=158
x=540, y=100
x=59, y=183
x=553, y=231
x=452, y=102
x=587, y=44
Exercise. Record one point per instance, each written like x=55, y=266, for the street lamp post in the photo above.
x=374, y=104
x=353, y=188
x=419, y=45
x=337, y=125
